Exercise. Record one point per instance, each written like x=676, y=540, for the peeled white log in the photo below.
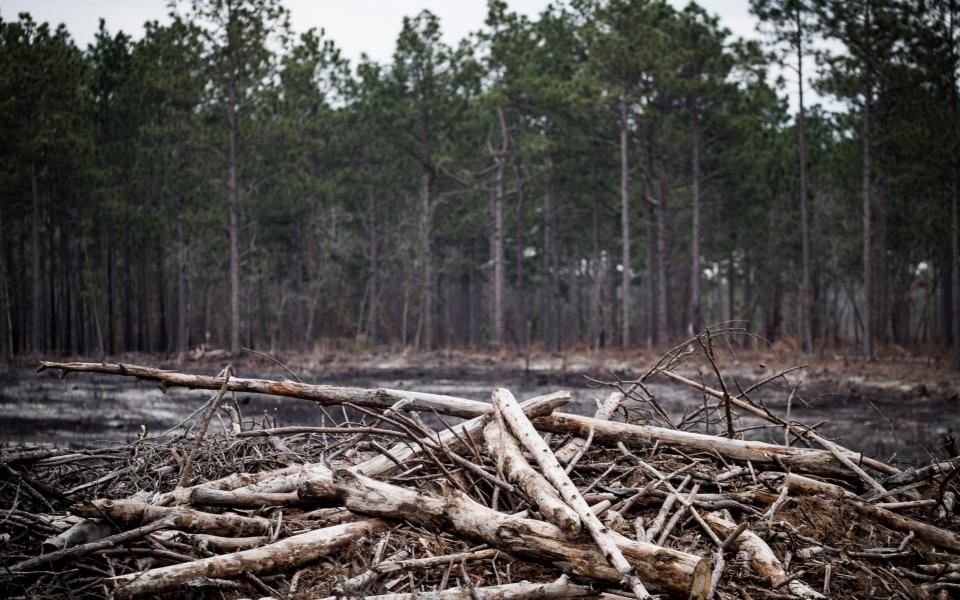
x=129, y=513
x=285, y=554
x=518, y=470
x=321, y=394
x=529, y=437
x=762, y=559
x=678, y=573
x=610, y=432
x=561, y=588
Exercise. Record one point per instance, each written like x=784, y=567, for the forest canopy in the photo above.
x=609, y=173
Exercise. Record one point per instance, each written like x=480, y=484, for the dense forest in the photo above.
x=609, y=174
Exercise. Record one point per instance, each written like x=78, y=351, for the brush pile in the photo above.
x=413, y=495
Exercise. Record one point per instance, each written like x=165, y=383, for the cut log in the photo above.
x=502, y=444
x=678, y=573
x=610, y=432
x=285, y=554
x=762, y=559
x=529, y=437
x=561, y=588
x=129, y=513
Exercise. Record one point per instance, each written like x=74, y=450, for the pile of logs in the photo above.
x=414, y=495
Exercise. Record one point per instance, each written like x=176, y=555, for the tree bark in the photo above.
x=662, y=326
x=183, y=340
x=36, y=328
x=625, y=223
x=233, y=211
x=496, y=236
x=867, y=238
x=428, y=290
x=520, y=284
x=693, y=318
x=806, y=299
x=373, y=320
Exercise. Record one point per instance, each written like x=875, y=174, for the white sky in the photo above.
x=356, y=26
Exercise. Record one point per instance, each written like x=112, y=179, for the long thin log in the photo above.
x=285, y=554
x=321, y=394
x=935, y=535
x=675, y=572
x=130, y=513
x=528, y=436
x=802, y=432
x=561, y=588
x=518, y=470
x=610, y=432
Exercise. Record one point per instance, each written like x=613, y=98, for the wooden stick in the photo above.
x=285, y=554
x=527, y=435
x=561, y=588
x=610, y=432
x=130, y=513
x=321, y=394
x=502, y=444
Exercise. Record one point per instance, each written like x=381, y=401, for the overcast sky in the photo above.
x=356, y=26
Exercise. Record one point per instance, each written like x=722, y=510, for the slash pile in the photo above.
x=429, y=496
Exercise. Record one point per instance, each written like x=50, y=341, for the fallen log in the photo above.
x=762, y=559
x=518, y=470
x=805, y=460
x=678, y=573
x=321, y=394
x=561, y=588
x=925, y=531
x=285, y=554
x=804, y=432
x=529, y=437
x=130, y=513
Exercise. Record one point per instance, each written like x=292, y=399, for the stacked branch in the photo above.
x=515, y=500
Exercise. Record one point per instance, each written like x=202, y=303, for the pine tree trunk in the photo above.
x=663, y=331
x=36, y=330
x=234, y=217
x=183, y=341
x=693, y=319
x=428, y=291
x=806, y=300
x=552, y=310
x=373, y=320
x=496, y=248
x=519, y=284
x=625, y=224
x=867, y=239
